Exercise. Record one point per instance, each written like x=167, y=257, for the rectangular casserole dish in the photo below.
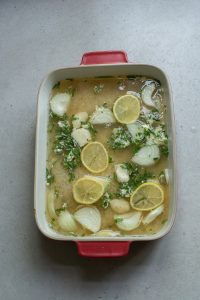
x=93, y=64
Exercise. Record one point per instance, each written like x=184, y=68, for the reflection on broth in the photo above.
x=107, y=157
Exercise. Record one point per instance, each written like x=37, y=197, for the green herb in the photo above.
x=131, y=77
x=66, y=146
x=137, y=147
x=121, y=85
x=103, y=76
x=88, y=125
x=52, y=223
x=58, y=210
x=153, y=115
x=63, y=208
x=137, y=176
x=105, y=105
x=148, y=130
x=119, y=139
x=164, y=149
x=118, y=220
x=164, y=221
x=57, y=85
x=115, y=176
x=110, y=159
x=74, y=118
x=49, y=177
x=54, y=118
x=72, y=233
x=105, y=200
x=152, y=135
x=71, y=90
x=98, y=88
x=129, y=167
x=71, y=161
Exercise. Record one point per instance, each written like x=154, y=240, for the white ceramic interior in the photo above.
x=41, y=141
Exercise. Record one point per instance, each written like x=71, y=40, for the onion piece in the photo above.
x=121, y=173
x=89, y=217
x=102, y=115
x=166, y=171
x=146, y=94
x=79, y=118
x=164, y=177
x=120, y=206
x=82, y=136
x=107, y=232
x=128, y=221
x=51, y=204
x=136, y=130
x=152, y=215
x=66, y=221
x=147, y=155
x=59, y=103
x=133, y=93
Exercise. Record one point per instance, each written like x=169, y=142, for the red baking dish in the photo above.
x=101, y=63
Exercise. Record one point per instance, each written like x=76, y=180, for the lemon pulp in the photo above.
x=147, y=196
x=126, y=109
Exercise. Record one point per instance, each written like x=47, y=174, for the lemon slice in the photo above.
x=147, y=196
x=94, y=157
x=126, y=109
x=88, y=190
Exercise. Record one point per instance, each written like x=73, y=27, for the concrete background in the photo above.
x=38, y=36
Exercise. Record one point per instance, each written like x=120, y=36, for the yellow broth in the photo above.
x=85, y=99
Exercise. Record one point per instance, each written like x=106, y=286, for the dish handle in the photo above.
x=103, y=249
x=104, y=57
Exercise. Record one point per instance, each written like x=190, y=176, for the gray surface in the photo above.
x=38, y=36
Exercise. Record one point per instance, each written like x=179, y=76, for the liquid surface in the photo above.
x=87, y=94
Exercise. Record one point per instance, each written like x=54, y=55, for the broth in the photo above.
x=85, y=99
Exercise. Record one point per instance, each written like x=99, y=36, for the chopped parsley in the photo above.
x=71, y=90
x=57, y=85
x=72, y=233
x=98, y=88
x=63, y=208
x=152, y=136
x=66, y=146
x=164, y=221
x=110, y=159
x=151, y=117
x=121, y=85
x=137, y=177
x=88, y=125
x=105, y=105
x=131, y=77
x=118, y=220
x=105, y=200
x=49, y=177
x=52, y=223
x=53, y=118
x=74, y=118
x=119, y=139
x=155, y=158
x=164, y=149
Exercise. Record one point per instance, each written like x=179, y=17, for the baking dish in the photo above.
x=93, y=64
